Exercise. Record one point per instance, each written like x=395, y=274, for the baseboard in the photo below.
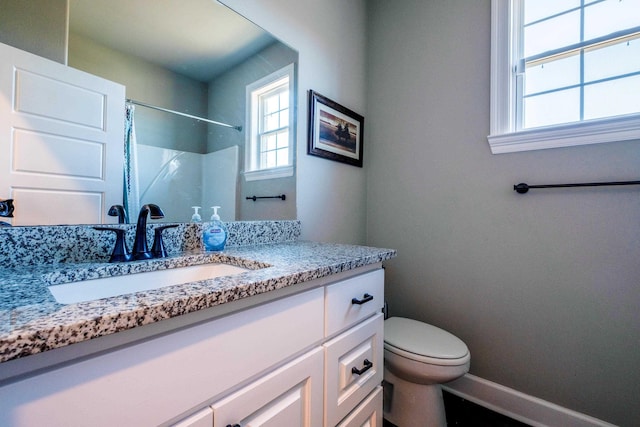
x=519, y=406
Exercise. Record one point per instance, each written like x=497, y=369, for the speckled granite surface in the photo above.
x=27, y=246
x=31, y=321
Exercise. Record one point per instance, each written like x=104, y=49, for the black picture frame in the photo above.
x=335, y=132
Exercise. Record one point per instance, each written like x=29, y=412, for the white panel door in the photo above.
x=61, y=139
x=290, y=396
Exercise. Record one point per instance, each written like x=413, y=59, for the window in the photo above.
x=564, y=72
x=269, y=150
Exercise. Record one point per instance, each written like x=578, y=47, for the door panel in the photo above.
x=290, y=396
x=62, y=139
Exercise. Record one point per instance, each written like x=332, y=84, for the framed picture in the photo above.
x=335, y=132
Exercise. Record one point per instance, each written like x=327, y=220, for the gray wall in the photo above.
x=151, y=84
x=227, y=103
x=37, y=26
x=544, y=287
x=330, y=38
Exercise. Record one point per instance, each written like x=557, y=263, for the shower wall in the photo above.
x=219, y=182
x=177, y=180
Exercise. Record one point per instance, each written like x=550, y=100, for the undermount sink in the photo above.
x=87, y=290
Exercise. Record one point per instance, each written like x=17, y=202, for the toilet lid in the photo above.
x=422, y=339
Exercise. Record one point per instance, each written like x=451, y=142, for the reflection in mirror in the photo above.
x=195, y=57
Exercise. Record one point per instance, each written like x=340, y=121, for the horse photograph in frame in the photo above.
x=335, y=132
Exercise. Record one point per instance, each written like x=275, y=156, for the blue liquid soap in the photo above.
x=214, y=233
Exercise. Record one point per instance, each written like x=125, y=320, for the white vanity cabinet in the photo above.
x=154, y=381
x=352, y=354
x=286, y=362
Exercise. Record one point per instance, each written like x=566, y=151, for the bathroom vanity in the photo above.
x=296, y=339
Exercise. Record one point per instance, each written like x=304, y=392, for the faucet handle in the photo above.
x=120, y=251
x=158, y=250
x=6, y=208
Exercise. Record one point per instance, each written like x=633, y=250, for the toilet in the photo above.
x=418, y=357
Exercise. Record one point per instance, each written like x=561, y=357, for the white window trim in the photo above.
x=503, y=137
x=278, y=172
x=271, y=173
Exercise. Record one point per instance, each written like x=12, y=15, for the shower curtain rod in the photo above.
x=166, y=110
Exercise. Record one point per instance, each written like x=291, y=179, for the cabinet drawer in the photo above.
x=353, y=300
x=368, y=413
x=353, y=367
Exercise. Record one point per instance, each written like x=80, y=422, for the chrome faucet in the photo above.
x=140, y=247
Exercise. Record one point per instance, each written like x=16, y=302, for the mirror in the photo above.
x=193, y=57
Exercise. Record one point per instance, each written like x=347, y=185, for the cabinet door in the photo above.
x=290, y=396
x=368, y=413
x=353, y=367
x=203, y=418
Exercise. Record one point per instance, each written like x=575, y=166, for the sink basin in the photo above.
x=87, y=290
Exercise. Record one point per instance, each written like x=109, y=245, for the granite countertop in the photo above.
x=31, y=321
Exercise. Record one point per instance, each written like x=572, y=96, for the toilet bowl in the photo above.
x=418, y=358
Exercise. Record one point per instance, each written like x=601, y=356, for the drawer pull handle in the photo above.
x=367, y=365
x=365, y=298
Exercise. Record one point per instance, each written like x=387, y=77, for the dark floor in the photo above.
x=462, y=413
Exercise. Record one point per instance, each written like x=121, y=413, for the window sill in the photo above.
x=622, y=128
x=281, y=172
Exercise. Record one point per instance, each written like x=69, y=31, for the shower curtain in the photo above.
x=131, y=190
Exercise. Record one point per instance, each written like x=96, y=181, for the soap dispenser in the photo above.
x=196, y=215
x=214, y=234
